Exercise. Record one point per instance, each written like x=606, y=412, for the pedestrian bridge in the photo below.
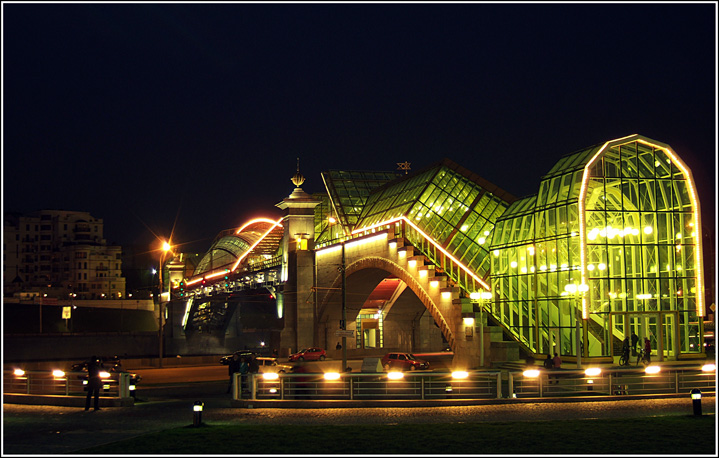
x=608, y=246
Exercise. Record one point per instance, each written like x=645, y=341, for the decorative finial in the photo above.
x=298, y=179
x=404, y=166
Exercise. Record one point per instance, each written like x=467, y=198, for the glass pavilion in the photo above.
x=609, y=246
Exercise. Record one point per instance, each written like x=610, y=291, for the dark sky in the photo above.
x=193, y=115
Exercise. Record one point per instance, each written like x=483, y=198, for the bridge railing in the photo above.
x=63, y=383
x=368, y=386
x=477, y=385
x=619, y=381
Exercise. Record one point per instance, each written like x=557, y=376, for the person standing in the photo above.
x=243, y=370
x=647, y=350
x=556, y=365
x=625, y=351
x=548, y=363
x=635, y=341
x=94, y=382
x=233, y=367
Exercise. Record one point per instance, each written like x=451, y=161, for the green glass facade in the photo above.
x=609, y=246
x=453, y=207
x=620, y=219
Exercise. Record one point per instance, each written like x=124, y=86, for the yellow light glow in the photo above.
x=590, y=267
x=58, y=373
x=446, y=294
x=434, y=283
x=423, y=273
x=19, y=372
x=249, y=250
x=475, y=296
x=468, y=321
x=412, y=263
x=530, y=250
x=331, y=376
x=513, y=264
x=460, y=374
x=709, y=368
x=104, y=374
x=652, y=370
x=395, y=375
x=531, y=373
x=255, y=221
x=592, y=371
x=601, y=266
x=481, y=240
x=270, y=376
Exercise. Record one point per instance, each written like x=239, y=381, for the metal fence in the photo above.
x=475, y=385
x=60, y=383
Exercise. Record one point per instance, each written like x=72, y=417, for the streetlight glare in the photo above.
x=166, y=246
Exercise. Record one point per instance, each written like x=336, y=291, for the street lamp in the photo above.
x=482, y=298
x=166, y=247
x=578, y=291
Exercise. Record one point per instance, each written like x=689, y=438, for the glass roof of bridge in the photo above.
x=454, y=206
x=348, y=192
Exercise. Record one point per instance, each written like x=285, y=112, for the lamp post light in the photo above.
x=166, y=247
x=578, y=291
x=482, y=298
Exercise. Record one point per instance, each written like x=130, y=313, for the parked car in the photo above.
x=225, y=360
x=309, y=354
x=403, y=362
x=268, y=364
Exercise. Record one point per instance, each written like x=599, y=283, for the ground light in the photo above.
x=395, y=375
x=331, y=376
x=696, y=396
x=652, y=370
x=709, y=368
x=19, y=372
x=197, y=413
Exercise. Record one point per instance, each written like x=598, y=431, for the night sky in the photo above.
x=192, y=116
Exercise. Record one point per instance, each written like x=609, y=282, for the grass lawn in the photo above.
x=679, y=434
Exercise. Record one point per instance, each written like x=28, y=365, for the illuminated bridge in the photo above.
x=609, y=245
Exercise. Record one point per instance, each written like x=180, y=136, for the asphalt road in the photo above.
x=46, y=430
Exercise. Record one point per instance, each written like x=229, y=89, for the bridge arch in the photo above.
x=328, y=308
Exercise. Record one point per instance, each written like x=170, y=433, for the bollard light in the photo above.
x=58, y=373
x=197, y=413
x=531, y=373
x=709, y=368
x=696, y=395
x=19, y=372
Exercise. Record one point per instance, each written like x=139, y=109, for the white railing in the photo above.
x=118, y=385
x=423, y=385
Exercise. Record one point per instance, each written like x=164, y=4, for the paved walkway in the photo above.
x=47, y=430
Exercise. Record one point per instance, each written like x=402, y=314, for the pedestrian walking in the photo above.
x=94, y=382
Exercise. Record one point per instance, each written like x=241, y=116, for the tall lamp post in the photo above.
x=578, y=291
x=481, y=298
x=166, y=247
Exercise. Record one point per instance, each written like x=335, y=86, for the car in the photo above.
x=268, y=364
x=403, y=362
x=309, y=354
x=225, y=360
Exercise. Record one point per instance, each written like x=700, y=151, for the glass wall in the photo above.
x=610, y=241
